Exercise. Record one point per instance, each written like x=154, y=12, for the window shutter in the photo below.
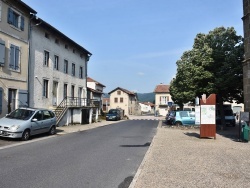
x=12, y=56
x=2, y=52
x=23, y=98
x=1, y=99
x=22, y=23
x=17, y=49
x=10, y=16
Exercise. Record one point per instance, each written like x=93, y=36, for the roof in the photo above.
x=94, y=91
x=124, y=90
x=162, y=88
x=26, y=6
x=92, y=80
x=49, y=27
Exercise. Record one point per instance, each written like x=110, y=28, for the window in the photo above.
x=72, y=91
x=15, y=19
x=116, y=100
x=65, y=92
x=46, y=35
x=74, y=51
x=80, y=72
x=45, y=88
x=56, y=62
x=164, y=100
x=56, y=41
x=121, y=100
x=46, y=58
x=73, y=69
x=118, y=92
x=66, y=46
x=65, y=66
x=14, y=57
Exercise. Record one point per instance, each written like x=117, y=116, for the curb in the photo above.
x=139, y=170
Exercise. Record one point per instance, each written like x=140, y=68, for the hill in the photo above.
x=146, y=97
x=142, y=97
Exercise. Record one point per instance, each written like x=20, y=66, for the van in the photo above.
x=229, y=116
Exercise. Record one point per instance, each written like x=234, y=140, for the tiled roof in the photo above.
x=124, y=90
x=94, y=91
x=162, y=88
x=92, y=80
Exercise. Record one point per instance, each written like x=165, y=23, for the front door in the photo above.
x=55, y=87
x=11, y=100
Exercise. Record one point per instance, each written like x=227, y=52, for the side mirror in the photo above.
x=34, y=120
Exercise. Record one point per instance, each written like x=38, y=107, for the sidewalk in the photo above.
x=179, y=158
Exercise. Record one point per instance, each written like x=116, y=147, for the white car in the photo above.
x=25, y=122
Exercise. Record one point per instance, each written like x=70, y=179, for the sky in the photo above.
x=135, y=44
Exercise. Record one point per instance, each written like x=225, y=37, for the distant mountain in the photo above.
x=142, y=97
x=146, y=97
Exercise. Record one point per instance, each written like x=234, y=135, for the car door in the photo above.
x=37, y=123
x=187, y=118
x=48, y=120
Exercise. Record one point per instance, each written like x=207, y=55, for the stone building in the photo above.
x=246, y=63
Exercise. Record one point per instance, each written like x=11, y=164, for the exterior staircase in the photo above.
x=73, y=102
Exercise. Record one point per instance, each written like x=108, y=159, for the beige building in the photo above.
x=163, y=99
x=126, y=100
x=14, y=54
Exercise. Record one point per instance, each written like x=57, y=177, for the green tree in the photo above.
x=214, y=65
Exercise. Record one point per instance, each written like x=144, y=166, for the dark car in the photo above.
x=113, y=114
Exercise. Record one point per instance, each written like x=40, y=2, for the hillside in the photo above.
x=142, y=97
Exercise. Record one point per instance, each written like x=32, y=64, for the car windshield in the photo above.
x=113, y=112
x=22, y=114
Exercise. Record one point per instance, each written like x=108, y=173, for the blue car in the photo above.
x=181, y=118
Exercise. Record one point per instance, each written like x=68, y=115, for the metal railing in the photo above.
x=74, y=102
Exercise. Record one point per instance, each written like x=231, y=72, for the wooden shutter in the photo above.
x=22, y=23
x=10, y=16
x=1, y=100
x=12, y=56
x=23, y=98
x=2, y=53
x=17, y=55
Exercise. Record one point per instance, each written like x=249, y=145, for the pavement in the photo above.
x=178, y=157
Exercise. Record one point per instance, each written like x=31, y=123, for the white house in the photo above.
x=58, y=74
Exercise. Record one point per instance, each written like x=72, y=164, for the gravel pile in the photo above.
x=179, y=158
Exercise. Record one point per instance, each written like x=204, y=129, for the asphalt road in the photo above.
x=105, y=157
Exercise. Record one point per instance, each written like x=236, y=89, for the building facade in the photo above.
x=58, y=67
x=246, y=63
x=163, y=99
x=14, y=54
x=126, y=100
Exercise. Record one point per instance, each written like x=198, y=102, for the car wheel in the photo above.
x=52, y=130
x=26, y=135
x=178, y=123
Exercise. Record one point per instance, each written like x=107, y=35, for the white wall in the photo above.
x=40, y=72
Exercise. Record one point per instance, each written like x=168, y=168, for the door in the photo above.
x=11, y=100
x=37, y=126
x=80, y=96
x=54, y=91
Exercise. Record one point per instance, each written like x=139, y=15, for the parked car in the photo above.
x=114, y=114
x=181, y=118
x=25, y=122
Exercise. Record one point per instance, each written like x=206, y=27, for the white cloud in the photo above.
x=141, y=73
